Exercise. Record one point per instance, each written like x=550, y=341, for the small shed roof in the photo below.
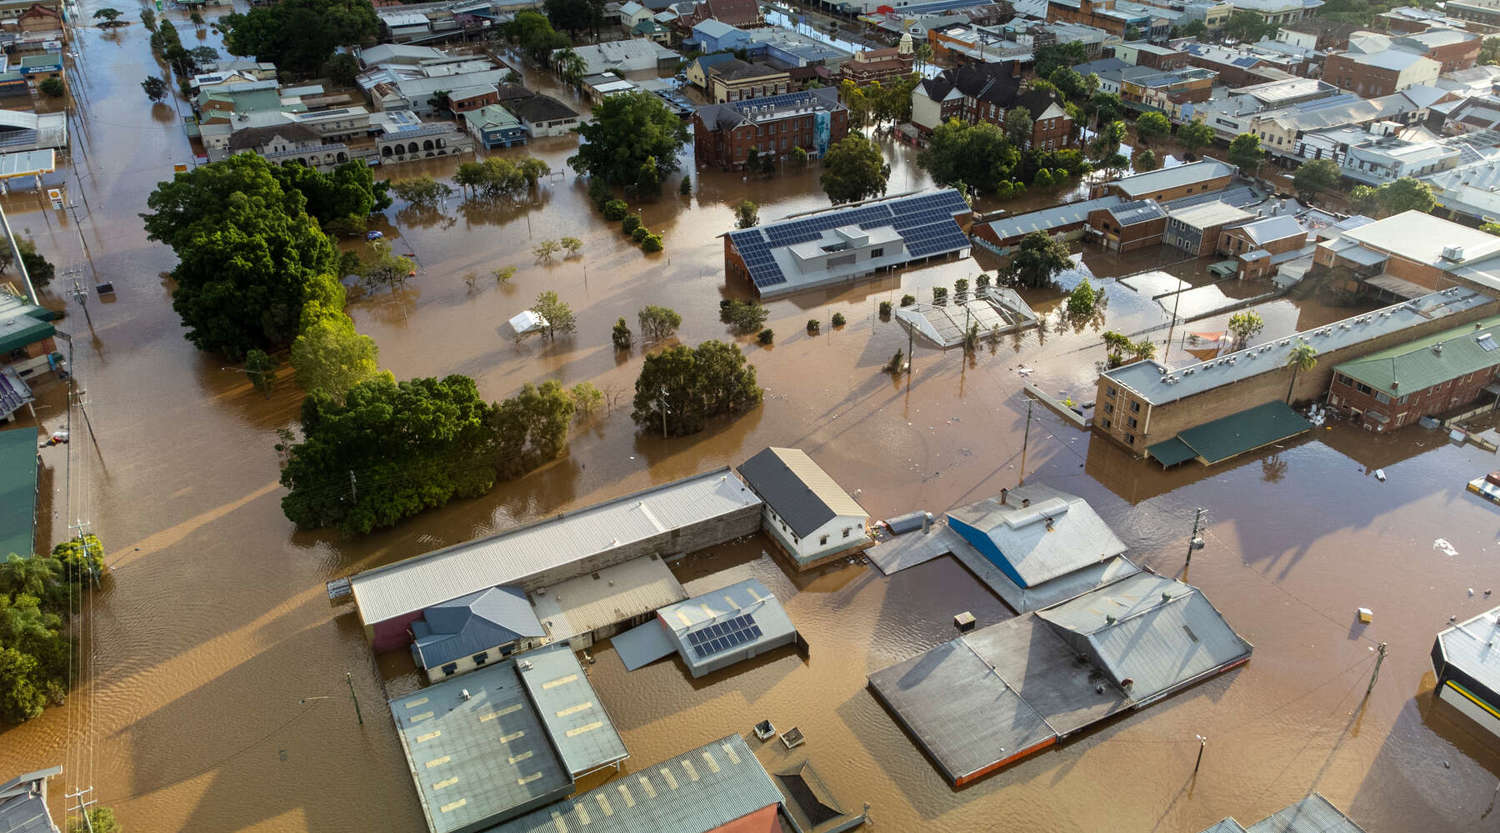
x=18, y=479
x=798, y=489
x=1053, y=536
x=1278, y=227
x=1210, y=214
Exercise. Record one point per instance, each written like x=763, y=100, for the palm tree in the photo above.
x=1303, y=357
x=27, y=576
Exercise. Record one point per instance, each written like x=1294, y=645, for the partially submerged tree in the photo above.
x=746, y=214
x=559, y=315
x=155, y=88
x=681, y=388
x=330, y=356
x=658, y=323
x=1038, y=259
x=632, y=140
x=854, y=170
x=298, y=36
x=1303, y=357
x=743, y=317
x=1244, y=326
x=423, y=192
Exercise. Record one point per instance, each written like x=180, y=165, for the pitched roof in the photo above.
x=1036, y=102
x=1430, y=360
x=473, y=623
x=737, y=69
x=1041, y=532
x=797, y=489
x=254, y=137
x=989, y=83
x=731, y=114
x=735, y=12
x=23, y=803
x=1278, y=227
x=540, y=108
x=1141, y=185
x=1314, y=814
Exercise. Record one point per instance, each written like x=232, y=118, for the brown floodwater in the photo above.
x=215, y=698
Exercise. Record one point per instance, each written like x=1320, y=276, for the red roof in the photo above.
x=735, y=12
x=760, y=821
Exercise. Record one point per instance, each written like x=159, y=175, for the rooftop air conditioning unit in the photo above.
x=1454, y=253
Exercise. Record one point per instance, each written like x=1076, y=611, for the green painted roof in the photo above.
x=1171, y=452
x=22, y=323
x=17, y=492
x=1213, y=442
x=1416, y=365
x=46, y=59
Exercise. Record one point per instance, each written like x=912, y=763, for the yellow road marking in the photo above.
x=734, y=757
x=512, y=736
x=671, y=781
x=417, y=702
x=604, y=804
x=429, y=736
x=560, y=681
x=589, y=727
x=625, y=794
x=576, y=709
x=418, y=718
x=646, y=785
x=439, y=761
x=709, y=759
x=450, y=807
x=687, y=766
x=446, y=783
x=516, y=759
x=528, y=779
x=485, y=718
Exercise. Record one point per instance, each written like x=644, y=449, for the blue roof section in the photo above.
x=694, y=792
x=925, y=221
x=473, y=623
x=582, y=732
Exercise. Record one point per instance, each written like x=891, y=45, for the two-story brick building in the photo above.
x=724, y=134
x=880, y=65
x=971, y=94
x=1380, y=73
x=1051, y=126
x=1146, y=54
x=1453, y=49
x=1128, y=226
x=1170, y=184
x=1431, y=376
x=738, y=80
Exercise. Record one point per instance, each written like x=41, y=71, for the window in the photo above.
x=1382, y=398
x=450, y=669
x=1105, y=423
x=1130, y=439
x=1109, y=391
x=1135, y=407
x=880, y=252
x=823, y=541
x=1132, y=422
x=481, y=658
x=1109, y=408
x=847, y=530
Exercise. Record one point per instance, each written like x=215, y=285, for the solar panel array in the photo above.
x=925, y=221
x=721, y=636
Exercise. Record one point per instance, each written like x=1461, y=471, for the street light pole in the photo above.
x=1195, y=542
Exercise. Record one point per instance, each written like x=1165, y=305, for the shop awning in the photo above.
x=1245, y=431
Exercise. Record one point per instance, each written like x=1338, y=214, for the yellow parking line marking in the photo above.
x=709, y=759
x=411, y=704
x=583, y=812
x=687, y=766
x=734, y=757
x=450, y=807
x=485, y=718
x=557, y=819
x=576, y=709
x=439, y=761
x=560, y=681
x=646, y=785
x=418, y=718
x=604, y=804
x=671, y=781
x=516, y=759
x=446, y=783
x=588, y=727
x=512, y=736
x=625, y=794
x=528, y=779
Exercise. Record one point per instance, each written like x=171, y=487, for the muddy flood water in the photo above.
x=215, y=699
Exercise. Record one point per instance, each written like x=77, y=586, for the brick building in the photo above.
x=1414, y=252
x=1169, y=184
x=738, y=80
x=1430, y=376
x=880, y=65
x=1146, y=54
x=1196, y=228
x=970, y=94
x=1144, y=406
x=1257, y=246
x=1128, y=226
x=1453, y=49
x=724, y=134
x=1051, y=126
x=1101, y=14
x=1380, y=73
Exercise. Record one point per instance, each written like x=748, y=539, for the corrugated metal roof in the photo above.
x=1431, y=360
x=1138, y=211
x=18, y=483
x=1168, y=645
x=473, y=623
x=23, y=804
x=1141, y=185
x=798, y=489
x=1225, y=826
x=1056, y=534
x=613, y=594
x=1278, y=227
x=1314, y=814
x=581, y=731
x=694, y=792
x=511, y=556
x=1470, y=646
x=709, y=613
x=1015, y=225
x=1210, y=214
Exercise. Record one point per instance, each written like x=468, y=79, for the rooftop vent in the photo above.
x=1453, y=253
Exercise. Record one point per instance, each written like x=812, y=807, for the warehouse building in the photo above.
x=712, y=631
x=1168, y=184
x=807, y=513
x=1468, y=668
x=503, y=740
x=998, y=694
x=666, y=521
x=1314, y=814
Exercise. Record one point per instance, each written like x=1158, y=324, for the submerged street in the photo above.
x=215, y=698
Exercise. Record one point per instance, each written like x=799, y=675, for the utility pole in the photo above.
x=349, y=678
x=661, y=405
x=1195, y=542
x=1025, y=440
x=81, y=295
x=909, y=348
x=82, y=807
x=1202, y=742
x=1375, y=675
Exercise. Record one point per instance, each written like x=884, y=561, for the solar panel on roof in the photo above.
x=721, y=636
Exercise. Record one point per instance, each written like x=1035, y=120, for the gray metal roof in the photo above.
x=1037, y=550
x=1158, y=384
x=1224, y=826
x=606, y=597
x=580, y=729
x=694, y=792
x=1314, y=814
x=1209, y=214
x=508, y=557
x=1273, y=228
x=1150, y=633
x=473, y=623
x=479, y=757
x=1015, y=225
x=1137, y=211
x=1470, y=646
x=1142, y=185
x=797, y=489
x=707, y=618
x=23, y=803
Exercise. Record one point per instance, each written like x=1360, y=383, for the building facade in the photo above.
x=738, y=80
x=1381, y=73
x=1432, y=376
x=725, y=134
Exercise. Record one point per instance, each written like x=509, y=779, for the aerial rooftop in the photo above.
x=1144, y=185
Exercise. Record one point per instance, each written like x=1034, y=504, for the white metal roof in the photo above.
x=28, y=163
x=419, y=582
x=1056, y=534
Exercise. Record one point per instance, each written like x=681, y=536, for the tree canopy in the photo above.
x=1245, y=151
x=1316, y=175
x=854, y=170
x=533, y=32
x=632, y=140
x=575, y=15
x=247, y=250
x=1152, y=125
x=347, y=193
x=1404, y=194
x=1194, y=135
x=693, y=385
x=34, y=645
x=1037, y=260
x=330, y=356
x=299, y=35
x=1054, y=55
x=1247, y=26
x=532, y=427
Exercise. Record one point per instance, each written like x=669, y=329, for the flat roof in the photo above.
x=798, y=489
x=740, y=618
x=1143, y=185
x=1418, y=236
x=1470, y=647
x=478, y=757
x=28, y=163
x=581, y=731
x=510, y=556
x=1054, y=534
x=696, y=791
x=1210, y=214
x=18, y=484
x=1158, y=384
x=1430, y=360
x=605, y=597
x=1252, y=428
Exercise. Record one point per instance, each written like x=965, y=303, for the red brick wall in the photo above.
x=729, y=149
x=1455, y=56
x=1052, y=134
x=1365, y=80
x=1413, y=405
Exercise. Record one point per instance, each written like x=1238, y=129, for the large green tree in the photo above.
x=1245, y=151
x=299, y=35
x=330, y=356
x=632, y=140
x=1037, y=260
x=1054, y=55
x=533, y=32
x=681, y=388
x=348, y=192
x=1406, y=194
x=389, y=450
x=854, y=170
x=532, y=428
x=247, y=251
x=1247, y=26
x=1152, y=125
x=1315, y=175
x=575, y=15
x=1194, y=135
x=978, y=155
